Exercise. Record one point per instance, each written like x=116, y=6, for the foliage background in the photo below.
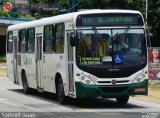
x=66, y=5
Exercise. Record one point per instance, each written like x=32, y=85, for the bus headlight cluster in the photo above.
x=140, y=78
x=85, y=80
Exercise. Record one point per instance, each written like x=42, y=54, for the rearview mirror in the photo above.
x=72, y=39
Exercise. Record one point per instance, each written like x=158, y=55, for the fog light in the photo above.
x=83, y=78
x=87, y=81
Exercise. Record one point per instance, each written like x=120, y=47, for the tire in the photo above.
x=122, y=100
x=60, y=92
x=26, y=89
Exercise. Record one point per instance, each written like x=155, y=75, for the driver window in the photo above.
x=129, y=43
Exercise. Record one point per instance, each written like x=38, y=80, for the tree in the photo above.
x=42, y=13
x=104, y=4
x=154, y=18
x=66, y=6
x=153, y=9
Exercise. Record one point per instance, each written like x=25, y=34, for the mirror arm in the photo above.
x=148, y=37
x=72, y=39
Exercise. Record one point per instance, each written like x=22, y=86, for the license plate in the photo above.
x=140, y=90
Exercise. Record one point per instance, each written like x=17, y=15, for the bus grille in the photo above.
x=108, y=82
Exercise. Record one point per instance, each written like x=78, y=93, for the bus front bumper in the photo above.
x=112, y=91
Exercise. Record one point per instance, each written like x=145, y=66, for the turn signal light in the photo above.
x=78, y=74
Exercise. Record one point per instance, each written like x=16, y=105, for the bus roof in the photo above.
x=64, y=18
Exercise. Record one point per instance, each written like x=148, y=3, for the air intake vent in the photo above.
x=120, y=81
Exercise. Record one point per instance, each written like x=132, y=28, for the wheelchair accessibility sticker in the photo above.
x=118, y=58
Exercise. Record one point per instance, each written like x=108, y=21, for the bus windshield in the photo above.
x=103, y=47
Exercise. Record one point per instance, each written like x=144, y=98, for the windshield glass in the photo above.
x=112, y=48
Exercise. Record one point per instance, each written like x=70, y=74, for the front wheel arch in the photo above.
x=26, y=88
x=60, y=89
x=58, y=75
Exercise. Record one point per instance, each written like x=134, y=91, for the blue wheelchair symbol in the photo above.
x=118, y=58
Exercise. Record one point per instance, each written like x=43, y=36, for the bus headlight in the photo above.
x=143, y=75
x=139, y=79
x=83, y=78
x=86, y=80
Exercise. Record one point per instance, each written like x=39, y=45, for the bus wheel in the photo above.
x=122, y=99
x=60, y=92
x=25, y=84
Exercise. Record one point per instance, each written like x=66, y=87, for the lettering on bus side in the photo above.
x=58, y=65
x=27, y=61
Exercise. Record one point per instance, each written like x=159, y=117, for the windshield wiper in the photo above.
x=117, y=37
x=125, y=32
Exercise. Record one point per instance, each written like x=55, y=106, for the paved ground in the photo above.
x=46, y=105
x=13, y=103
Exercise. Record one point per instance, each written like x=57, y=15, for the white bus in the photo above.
x=92, y=53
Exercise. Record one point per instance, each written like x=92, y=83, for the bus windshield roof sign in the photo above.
x=109, y=20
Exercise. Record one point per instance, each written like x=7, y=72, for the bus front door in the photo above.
x=70, y=64
x=15, y=71
x=39, y=62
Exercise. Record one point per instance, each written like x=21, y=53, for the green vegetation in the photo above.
x=154, y=91
x=66, y=5
x=2, y=58
x=3, y=72
x=153, y=9
x=2, y=69
x=155, y=87
x=154, y=18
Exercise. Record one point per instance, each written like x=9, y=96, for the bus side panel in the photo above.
x=29, y=64
x=49, y=71
x=10, y=66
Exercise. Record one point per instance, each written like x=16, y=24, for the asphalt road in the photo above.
x=14, y=103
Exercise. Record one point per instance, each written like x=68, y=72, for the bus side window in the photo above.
x=59, y=43
x=31, y=40
x=48, y=42
x=22, y=41
x=10, y=42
